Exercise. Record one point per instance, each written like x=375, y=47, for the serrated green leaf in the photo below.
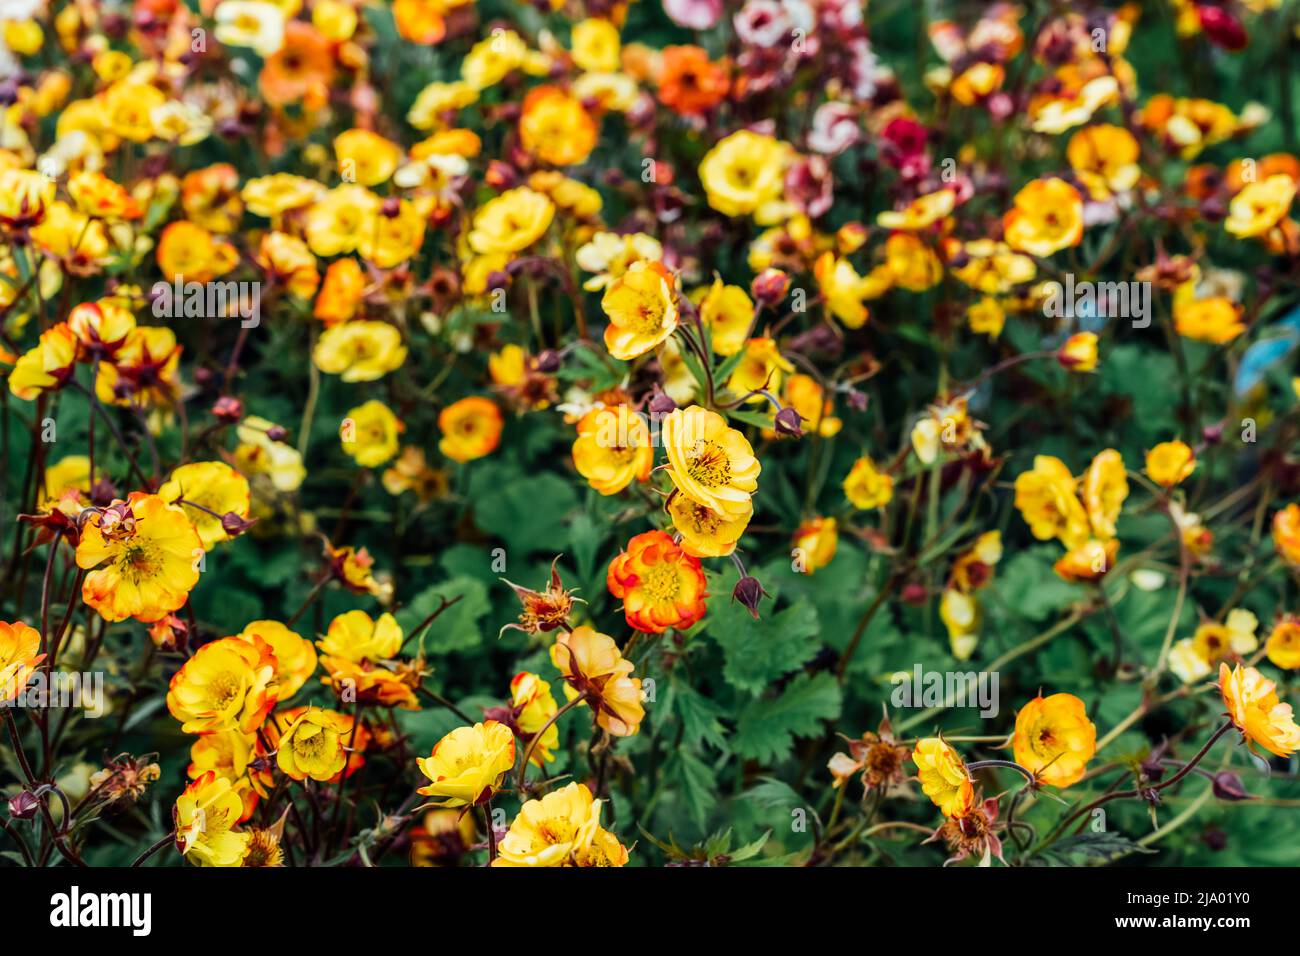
x=767, y=727
x=458, y=627
x=759, y=652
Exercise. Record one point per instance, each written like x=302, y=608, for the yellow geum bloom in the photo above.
x=961, y=615
x=315, y=745
x=295, y=658
x=511, y=222
x=706, y=533
x=1260, y=206
x=534, y=706
x=561, y=829
x=591, y=664
x=371, y=433
x=356, y=636
x=207, y=491
x=596, y=44
x=613, y=448
x=911, y=263
x=1105, y=158
x=228, y=684
x=334, y=222
x=467, y=765
x=1283, y=644
x=921, y=212
x=727, y=312
x=642, y=309
x=944, y=777
x=438, y=100
x=1105, y=488
x=1054, y=739
x=19, y=658
x=360, y=351
x=257, y=455
x=744, y=172
x=205, y=816
x=844, y=291
x=1170, y=463
x=709, y=461
x=366, y=157
x=761, y=367
x=555, y=127
x=391, y=236
x=1253, y=706
x=609, y=255
x=492, y=59
x=145, y=554
x=1047, y=501
x=47, y=366
x=867, y=487
x=1046, y=217
x=815, y=542
x=270, y=196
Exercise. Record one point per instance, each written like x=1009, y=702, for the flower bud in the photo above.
x=23, y=805
x=770, y=286
x=787, y=423
x=277, y=433
x=228, y=409
x=1228, y=786
x=549, y=361
x=749, y=591
x=234, y=525
x=661, y=404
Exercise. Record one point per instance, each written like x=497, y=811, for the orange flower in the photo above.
x=1255, y=710
x=555, y=128
x=1286, y=533
x=689, y=83
x=661, y=586
x=471, y=428
x=1047, y=217
x=301, y=70
x=816, y=541
x=1054, y=739
x=340, y=292
x=188, y=251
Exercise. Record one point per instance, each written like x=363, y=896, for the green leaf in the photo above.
x=1088, y=849
x=767, y=728
x=697, y=784
x=529, y=511
x=758, y=652
x=699, y=717
x=1030, y=586
x=456, y=628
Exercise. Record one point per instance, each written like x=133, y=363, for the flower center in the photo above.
x=707, y=463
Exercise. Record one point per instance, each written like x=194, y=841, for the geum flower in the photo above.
x=315, y=745
x=944, y=777
x=598, y=674
x=710, y=462
x=468, y=764
x=661, y=586
x=19, y=658
x=543, y=611
x=228, y=684
x=146, y=558
x=642, y=309
x=205, y=816
x=1254, y=709
x=561, y=829
x=1054, y=739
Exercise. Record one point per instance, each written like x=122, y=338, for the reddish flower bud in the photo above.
x=749, y=591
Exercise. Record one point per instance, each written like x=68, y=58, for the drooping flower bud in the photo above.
x=749, y=591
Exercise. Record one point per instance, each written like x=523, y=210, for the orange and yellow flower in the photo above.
x=467, y=765
x=1054, y=739
x=660, y=585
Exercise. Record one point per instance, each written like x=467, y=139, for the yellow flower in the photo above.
x=1047, y=501
x=269, y=196
x=806, y=396
x=534, y=706
x=1089, y=561
x=911, y=263
x=1215, y=319
x=315, y=745
x=360, y=351
x=334, y=222
x=210, y=490
x=67, y=474
x=706, y=533
x=762, y=366
x=1255, y=710
x=1105, y=158
x=1286, y=533
x=19, y=659
x=920, y=212
x=554, y=127
x=465, y=766
x=1260, y=206
x=744, y=172
x=295, y=658
x=867, y=487
x=1283, y=644
x=257, y=455
x=492, y=59
x=228, y=684
x=561, y=829
x=961, y=615
x=609, y=255
x=150, y=555
x=642, y=309
x=388, y=240
x=1054, y=739
x=1105, y=488
x=591, y=664
x=1079, y=352
x=251, y=23
x=613, y=449
x=365, y=157
x=1170, y=463
x=47, y=366
x=471, y=428
x=128, y=109
x=205, y=817
x=815, y=542
x=944, y=777
x=355, y=636
x=728, y=312
x=511, y=222
x=596, y=45
x=844, y=291
x=992, y=268
x=986, y=317
x=437, y=100
x=371, y=434
x=709, y=461
x=1047, y=216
